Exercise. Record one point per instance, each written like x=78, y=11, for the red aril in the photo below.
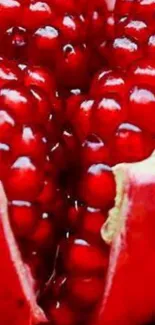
x=24, y=180
x=97, y=187
x=29, y=142
x=24, y=217
x=19, y=102
x=83, y=258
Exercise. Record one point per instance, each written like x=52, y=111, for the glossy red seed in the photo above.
x=24, y=180
x=108, y=114
x=142, y=73
x=24, y=217
x=80, y=257
x=94, y=150
x=97, y=187
x=73, y=28
x=130, y=144
x=141, y=108
x=44, y=45
x=125, y=51
x=29, y=142
x=19, y=102
x=92, y=221
x=11, y=10
x=41, y=78
x=72, y=66
x=108, y=81
x=134, y=28
x=36, y=13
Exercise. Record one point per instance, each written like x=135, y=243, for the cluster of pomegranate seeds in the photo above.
x=77, y=96
x=27, y=103
x=54, y=34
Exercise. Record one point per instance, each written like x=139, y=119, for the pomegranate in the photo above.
x=77, y=156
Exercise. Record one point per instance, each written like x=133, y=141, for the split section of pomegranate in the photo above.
x=77, y=136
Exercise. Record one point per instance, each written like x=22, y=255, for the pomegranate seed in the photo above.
x=107, y=81
x=45, y=42
x=136, y=29
x=73, y=28
x=142, y=73
x=41, y=78
x=131, y=144
x=92, y=221
x=36, y=13
x=97, y=186
x=108, y=114
x=24, y=180
x=24, y=217
x=84, y=258
x=94, y=150
x=125, y=51
x=71, y=68
x=29, y=142
x=19, y=102
x=11, y=10
x=141, y=108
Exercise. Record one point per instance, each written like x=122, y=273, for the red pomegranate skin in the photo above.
x=130, y=287
x=17, y=285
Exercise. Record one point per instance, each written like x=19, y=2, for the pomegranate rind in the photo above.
x=129, y=296
x=17, y=299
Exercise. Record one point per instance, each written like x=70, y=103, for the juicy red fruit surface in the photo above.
x=77, y=95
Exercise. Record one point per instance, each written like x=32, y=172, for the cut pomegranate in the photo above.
x=77, y=137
